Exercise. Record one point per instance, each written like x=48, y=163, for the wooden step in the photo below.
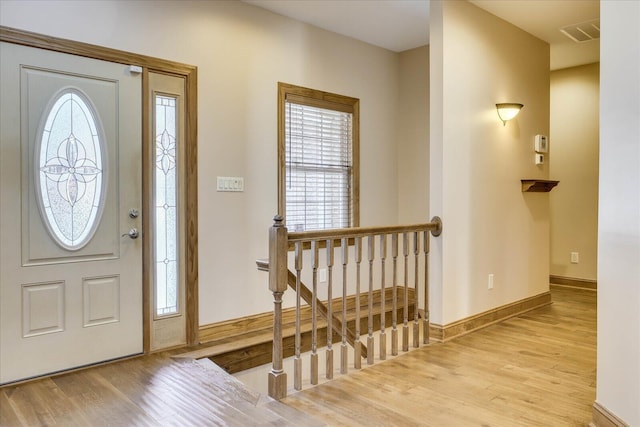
x=240, y=327
x=251, y=357
x=246, y=349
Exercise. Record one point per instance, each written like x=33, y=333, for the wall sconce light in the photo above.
x=508, y=111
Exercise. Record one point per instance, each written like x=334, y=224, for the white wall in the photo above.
x=490, y=226
x=412, y=141
x=573, y=160
x=618, y=381
x=241, y=53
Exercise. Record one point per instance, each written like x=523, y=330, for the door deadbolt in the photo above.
x=134, y=213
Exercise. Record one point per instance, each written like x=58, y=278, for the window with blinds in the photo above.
x=319, y=142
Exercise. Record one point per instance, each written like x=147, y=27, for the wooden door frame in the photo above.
x=148, y=64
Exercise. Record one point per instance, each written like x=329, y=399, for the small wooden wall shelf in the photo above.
x=537, y=185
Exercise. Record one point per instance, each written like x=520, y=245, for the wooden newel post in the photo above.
x=435, y=232
x=278, y=245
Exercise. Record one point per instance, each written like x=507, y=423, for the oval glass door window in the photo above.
x=70, y=168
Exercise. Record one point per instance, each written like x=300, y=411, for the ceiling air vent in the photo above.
x=583, y=32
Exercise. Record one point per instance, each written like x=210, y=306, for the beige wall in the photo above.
x=618, y=382
x=412, y=140
x=573, y=160
x=490, y=226
x=242, y=52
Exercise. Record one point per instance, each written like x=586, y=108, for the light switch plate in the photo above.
x=230, y=184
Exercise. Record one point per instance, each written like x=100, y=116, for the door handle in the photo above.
x=132, y=234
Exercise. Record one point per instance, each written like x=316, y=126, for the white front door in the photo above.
x=70, y=192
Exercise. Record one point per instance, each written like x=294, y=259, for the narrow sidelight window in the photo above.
x=166, y=207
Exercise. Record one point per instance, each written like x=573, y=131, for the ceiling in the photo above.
x=399, y=25
x=395, y=25
x=544, y=18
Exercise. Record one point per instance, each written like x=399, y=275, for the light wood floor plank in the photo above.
x=154, y=390
x=537, y=369
x=8, y=416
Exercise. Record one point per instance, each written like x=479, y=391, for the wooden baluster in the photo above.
x=356, y=345
x=314, y=314
x=383, y=336
x=344, y=349
x=329, y=352
x=405, y=316
x=278, y=272
x=416, y=323
x=297, y=361
x=394, y=314
x=425, y=320
x=370, y=341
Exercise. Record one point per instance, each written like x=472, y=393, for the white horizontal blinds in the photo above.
x=319, y=164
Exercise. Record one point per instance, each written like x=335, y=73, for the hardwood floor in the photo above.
x=534, y=370
x=147, y=391
x=538, y=369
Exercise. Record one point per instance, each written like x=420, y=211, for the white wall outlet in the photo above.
x=575, y=257
x=322, y=275
x=490, y=282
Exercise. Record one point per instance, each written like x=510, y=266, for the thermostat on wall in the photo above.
x=542, y=143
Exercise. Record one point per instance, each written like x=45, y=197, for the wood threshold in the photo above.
x=76, y=369
x=573, y=282
x=602, y=417
x=489, y=317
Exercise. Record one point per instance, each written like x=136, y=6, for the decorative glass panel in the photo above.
x=69, y=175
x=166, y=220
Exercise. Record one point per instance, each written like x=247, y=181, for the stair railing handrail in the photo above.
x=435, y=226
x=280, y=240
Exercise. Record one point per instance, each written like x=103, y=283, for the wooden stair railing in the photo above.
x=280, y=277
x=307, y=296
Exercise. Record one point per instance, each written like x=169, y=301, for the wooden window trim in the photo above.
x=321, y=99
